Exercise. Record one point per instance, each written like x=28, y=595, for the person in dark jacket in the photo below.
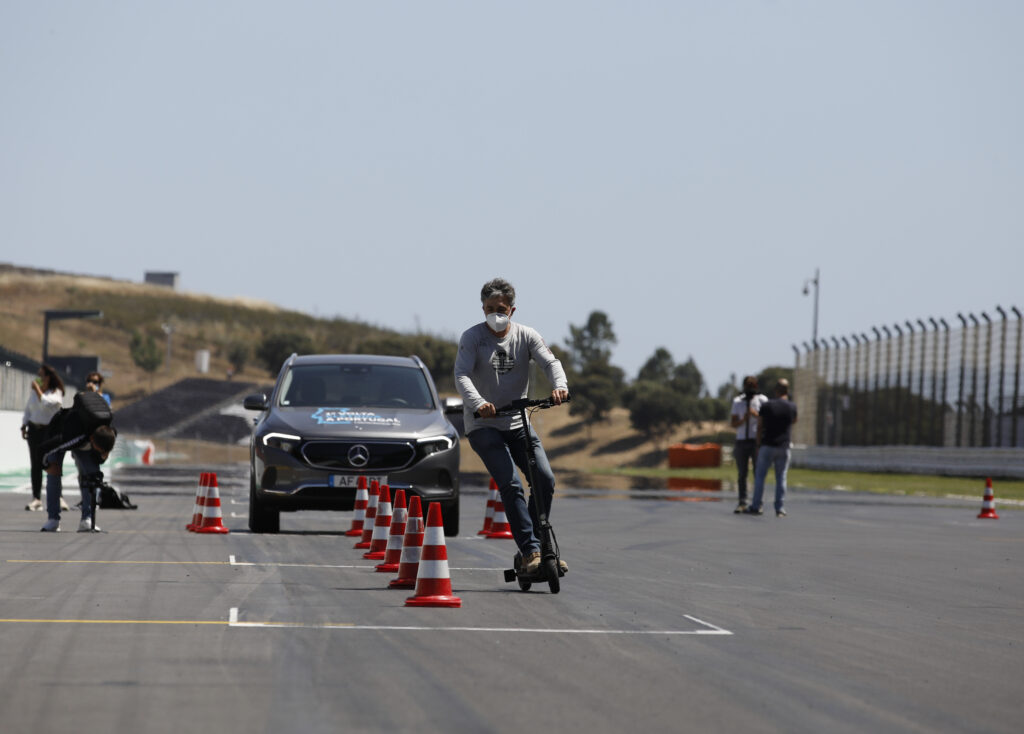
x=74, y=429
x=774, y=438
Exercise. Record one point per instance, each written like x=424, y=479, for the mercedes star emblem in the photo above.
x=358, y=456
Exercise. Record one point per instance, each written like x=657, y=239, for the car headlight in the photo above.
x=434, y=444
x=283, y=441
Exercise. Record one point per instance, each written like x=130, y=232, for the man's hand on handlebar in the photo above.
x=559, y=396
x=487, y=410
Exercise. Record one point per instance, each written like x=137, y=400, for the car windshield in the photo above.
x=355, y=386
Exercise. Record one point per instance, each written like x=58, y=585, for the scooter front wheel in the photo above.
x=551, y=571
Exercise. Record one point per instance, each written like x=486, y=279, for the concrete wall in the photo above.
x=966, y=462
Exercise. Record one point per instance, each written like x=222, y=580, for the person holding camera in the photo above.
x=45, y=400
x=745, y=410
x=94, y=382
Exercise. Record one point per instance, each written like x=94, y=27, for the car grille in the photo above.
x=383, y=456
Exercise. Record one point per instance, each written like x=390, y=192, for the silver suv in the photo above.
x=332, y=418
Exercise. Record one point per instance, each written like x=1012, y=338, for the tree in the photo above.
x=596, y=390
x=238, y=355
x=769, y=377
x=146, y=354
x=591, y=342
x=658, y=368
x=595, y=384
x=274, y=349
x=687, y=379
x=655, y=409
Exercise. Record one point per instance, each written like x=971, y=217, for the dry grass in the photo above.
x=574, y=446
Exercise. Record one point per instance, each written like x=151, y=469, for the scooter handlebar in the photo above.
x=516, y=405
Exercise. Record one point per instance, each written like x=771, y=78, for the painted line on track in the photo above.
x=235, y=562
x=708, y=628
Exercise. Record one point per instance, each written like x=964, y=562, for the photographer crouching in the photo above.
x=83, y=429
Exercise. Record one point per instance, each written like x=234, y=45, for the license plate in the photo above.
x=350, y=480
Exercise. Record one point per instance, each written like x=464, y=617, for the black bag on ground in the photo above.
x=111, y=499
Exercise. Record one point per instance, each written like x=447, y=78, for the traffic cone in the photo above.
x=200, y=502
x=381, y=525
x=988, y=505
x=499, y=526
x=433, y=584
x=393, y=551
x=211, y=511
x=371, y=516
x=412, y=542
x=492, y=494
x=362, y=499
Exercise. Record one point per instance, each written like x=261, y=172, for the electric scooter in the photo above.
x=550, y=569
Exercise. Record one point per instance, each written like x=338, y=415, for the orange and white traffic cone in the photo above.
x=381, y=525
x=362, y=500
x=396, y=534
x=412, y=542
x=212, y=522
x=433, y=583
x=492, y=494
x=988, y=505
x=499, y=527
x=199, y=504
x=371, y=516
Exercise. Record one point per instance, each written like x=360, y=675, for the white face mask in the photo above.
x=498, y=321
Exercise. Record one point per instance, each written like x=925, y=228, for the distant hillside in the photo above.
x=199, y=322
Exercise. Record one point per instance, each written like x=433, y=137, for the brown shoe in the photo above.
x=531, y=562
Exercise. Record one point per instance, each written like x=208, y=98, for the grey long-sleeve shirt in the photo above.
x=496, y=370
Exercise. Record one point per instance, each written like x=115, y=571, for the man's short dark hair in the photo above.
x=498, y=287
x=104, y=437
x=782, y=387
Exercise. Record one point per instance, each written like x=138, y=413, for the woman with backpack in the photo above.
x=45, y=400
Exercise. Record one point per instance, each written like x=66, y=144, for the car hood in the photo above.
x=363, y=422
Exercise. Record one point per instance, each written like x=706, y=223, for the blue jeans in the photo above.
x=777, y=456
x=502, y=452
x=87, y=464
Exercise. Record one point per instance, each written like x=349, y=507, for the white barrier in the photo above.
x=963, y=462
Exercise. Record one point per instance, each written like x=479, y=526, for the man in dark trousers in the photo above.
x=774, y=437
x=745, y=408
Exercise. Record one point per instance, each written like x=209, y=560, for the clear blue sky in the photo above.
x=682, y=166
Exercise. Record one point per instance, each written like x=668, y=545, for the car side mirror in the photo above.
x=255, y=402
x=452, y=406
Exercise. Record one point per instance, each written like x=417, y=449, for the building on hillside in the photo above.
x=166, y=279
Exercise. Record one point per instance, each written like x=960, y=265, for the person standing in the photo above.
x=45, y=399
x=774, y=438
x=745, y=410
x=94, y=382
x=492, y=368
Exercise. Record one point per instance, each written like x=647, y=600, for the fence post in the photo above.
x=1016, y=380
x=919, y=441
x=986, y=412
x=1002, y=377
x=850, y=399
x=974, y=378
x=898, y=397
x=960, y=398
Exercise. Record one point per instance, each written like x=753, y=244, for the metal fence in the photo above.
x=922, y=383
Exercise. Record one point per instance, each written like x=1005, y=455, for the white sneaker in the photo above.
x=86, y=527
x=51, y=526
x=36, y=505
x=63, y=504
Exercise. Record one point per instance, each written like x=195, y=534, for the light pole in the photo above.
x=807, y=289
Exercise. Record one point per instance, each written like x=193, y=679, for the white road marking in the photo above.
x=710, y=628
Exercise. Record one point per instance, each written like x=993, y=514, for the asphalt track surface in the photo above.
x=856, y=613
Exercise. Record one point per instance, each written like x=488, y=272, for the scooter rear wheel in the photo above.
x=551, y=571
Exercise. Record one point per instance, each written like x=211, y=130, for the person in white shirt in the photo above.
x=745, y=409
x=45, y=399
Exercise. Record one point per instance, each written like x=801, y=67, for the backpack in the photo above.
x=92, y=410
x=111, y=499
